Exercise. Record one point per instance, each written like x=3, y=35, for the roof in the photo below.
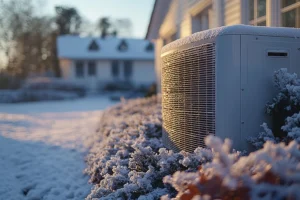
x=151, y=20
x=158, y=14
x=234, y=30
x=76, y=47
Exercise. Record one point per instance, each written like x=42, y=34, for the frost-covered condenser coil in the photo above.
x=188, y=88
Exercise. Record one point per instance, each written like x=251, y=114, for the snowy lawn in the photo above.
x=42, y=148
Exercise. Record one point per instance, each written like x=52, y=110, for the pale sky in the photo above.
x=138, y=11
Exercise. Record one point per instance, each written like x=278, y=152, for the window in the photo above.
x=92, y=68
x=257, y=12
x=79, y=69
x=149, y=47
x=286, y=3
x=115, y=68
x=290, y=13
x=123, y=46
x=94, y=46
x=203, y=20
x=127, y=69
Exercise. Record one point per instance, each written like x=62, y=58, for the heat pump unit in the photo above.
x=217, y=82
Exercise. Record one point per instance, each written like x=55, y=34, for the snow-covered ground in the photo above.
x=42, y=148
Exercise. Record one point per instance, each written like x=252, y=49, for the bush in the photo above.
x=126, y=90
x=128, y=160
x=270, y=173
x=118, y=86
x=18, y=96
x=287, y=101
x=284, y=110
x=43, y=89
x=267, y=135
x=151, y=90
x=8, y=82
x=118, y=96
x=55, y=84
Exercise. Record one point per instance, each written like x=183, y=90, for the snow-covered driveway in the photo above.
x=42, y=148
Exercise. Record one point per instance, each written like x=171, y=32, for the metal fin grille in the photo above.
x=188, y=100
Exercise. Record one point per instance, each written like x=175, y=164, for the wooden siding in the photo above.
x=232, y=12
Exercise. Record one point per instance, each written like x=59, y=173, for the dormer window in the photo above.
x=123, y=46
x=94, y=46
x=150, y=47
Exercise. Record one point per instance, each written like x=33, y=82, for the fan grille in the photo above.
x=188, y=100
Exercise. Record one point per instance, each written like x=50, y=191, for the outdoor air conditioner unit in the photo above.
x=218, y=82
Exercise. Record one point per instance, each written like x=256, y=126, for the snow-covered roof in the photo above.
x=234, y=30
x=76, y=47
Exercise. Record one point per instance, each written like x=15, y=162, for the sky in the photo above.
x=138, y=11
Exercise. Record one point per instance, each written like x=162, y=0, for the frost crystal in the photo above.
x=270, y=173
x=128, y=159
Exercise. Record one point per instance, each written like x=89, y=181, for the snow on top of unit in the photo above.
x=233, y=30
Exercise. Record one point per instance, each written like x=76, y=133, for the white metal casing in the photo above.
x=245, y=61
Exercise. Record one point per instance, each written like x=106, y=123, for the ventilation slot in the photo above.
x=277, y=54
x=188, y=102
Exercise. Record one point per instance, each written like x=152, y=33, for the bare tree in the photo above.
x=114, y=27
x=26, y=39
x=104, y=25
x=15, y=18
x=68, y=20
x=33, y=48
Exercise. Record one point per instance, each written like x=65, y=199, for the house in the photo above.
x=97, y=62
x=174, y=19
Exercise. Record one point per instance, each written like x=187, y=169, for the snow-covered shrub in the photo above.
x=292, y=128
x=8, y=82
x=55, y=84
x=128, y=161
x=17, y=96
x=267, y=135
x=117, y=86
x=43, y=89
x=152, y=90
x=270, y=173
x=284, y=110
x=287, y=101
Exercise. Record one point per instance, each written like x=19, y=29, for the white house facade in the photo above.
x=174, y=19
x=96, y=62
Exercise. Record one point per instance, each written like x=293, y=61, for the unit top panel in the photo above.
x=233, y=30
